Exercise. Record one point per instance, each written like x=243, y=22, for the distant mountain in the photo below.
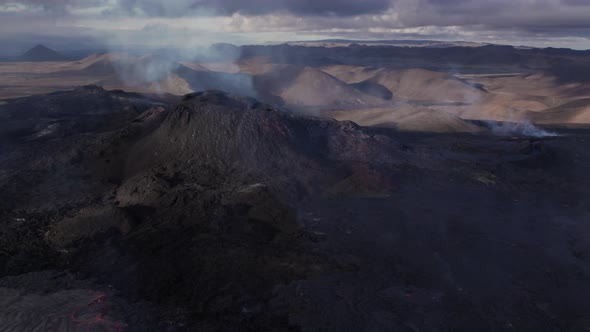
x=399, y=43
x=41, y=53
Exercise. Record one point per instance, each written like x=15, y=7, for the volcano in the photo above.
x=41, y=53
x=217, y=212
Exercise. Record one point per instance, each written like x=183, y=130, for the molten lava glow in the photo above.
x=276, y=126
x=81, y=319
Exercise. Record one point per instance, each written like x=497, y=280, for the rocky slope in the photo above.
x=218, y=213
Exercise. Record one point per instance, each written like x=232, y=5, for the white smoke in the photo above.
x=522, y=128
x=164, y=59
x=136, y=71
x=513, y=123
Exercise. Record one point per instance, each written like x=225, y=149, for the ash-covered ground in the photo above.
x=123, y=212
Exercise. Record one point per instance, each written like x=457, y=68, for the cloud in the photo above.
x=49, y=6
x=156, y=8
x=297, y=7
x=536, y=22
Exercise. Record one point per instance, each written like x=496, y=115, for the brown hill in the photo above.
x=412, y=84
x=407, y=118
x=352, y=74
x=426, y=85
x=194, y=66
x=100, y=64
x=574, y=112
x=309, y=87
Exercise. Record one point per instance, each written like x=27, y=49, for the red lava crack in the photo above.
x=98, y=319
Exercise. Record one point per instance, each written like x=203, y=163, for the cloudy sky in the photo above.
x=185, y=23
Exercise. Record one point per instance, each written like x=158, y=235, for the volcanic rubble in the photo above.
x=219, y=213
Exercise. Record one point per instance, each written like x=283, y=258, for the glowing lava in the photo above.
x=90, y=320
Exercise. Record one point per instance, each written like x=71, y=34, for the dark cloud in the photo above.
x=298, y=7
x=55, y=4
x=158, y=8
x=54, y=8
x=546, y=15
x=256, y=7
x=461, y=19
